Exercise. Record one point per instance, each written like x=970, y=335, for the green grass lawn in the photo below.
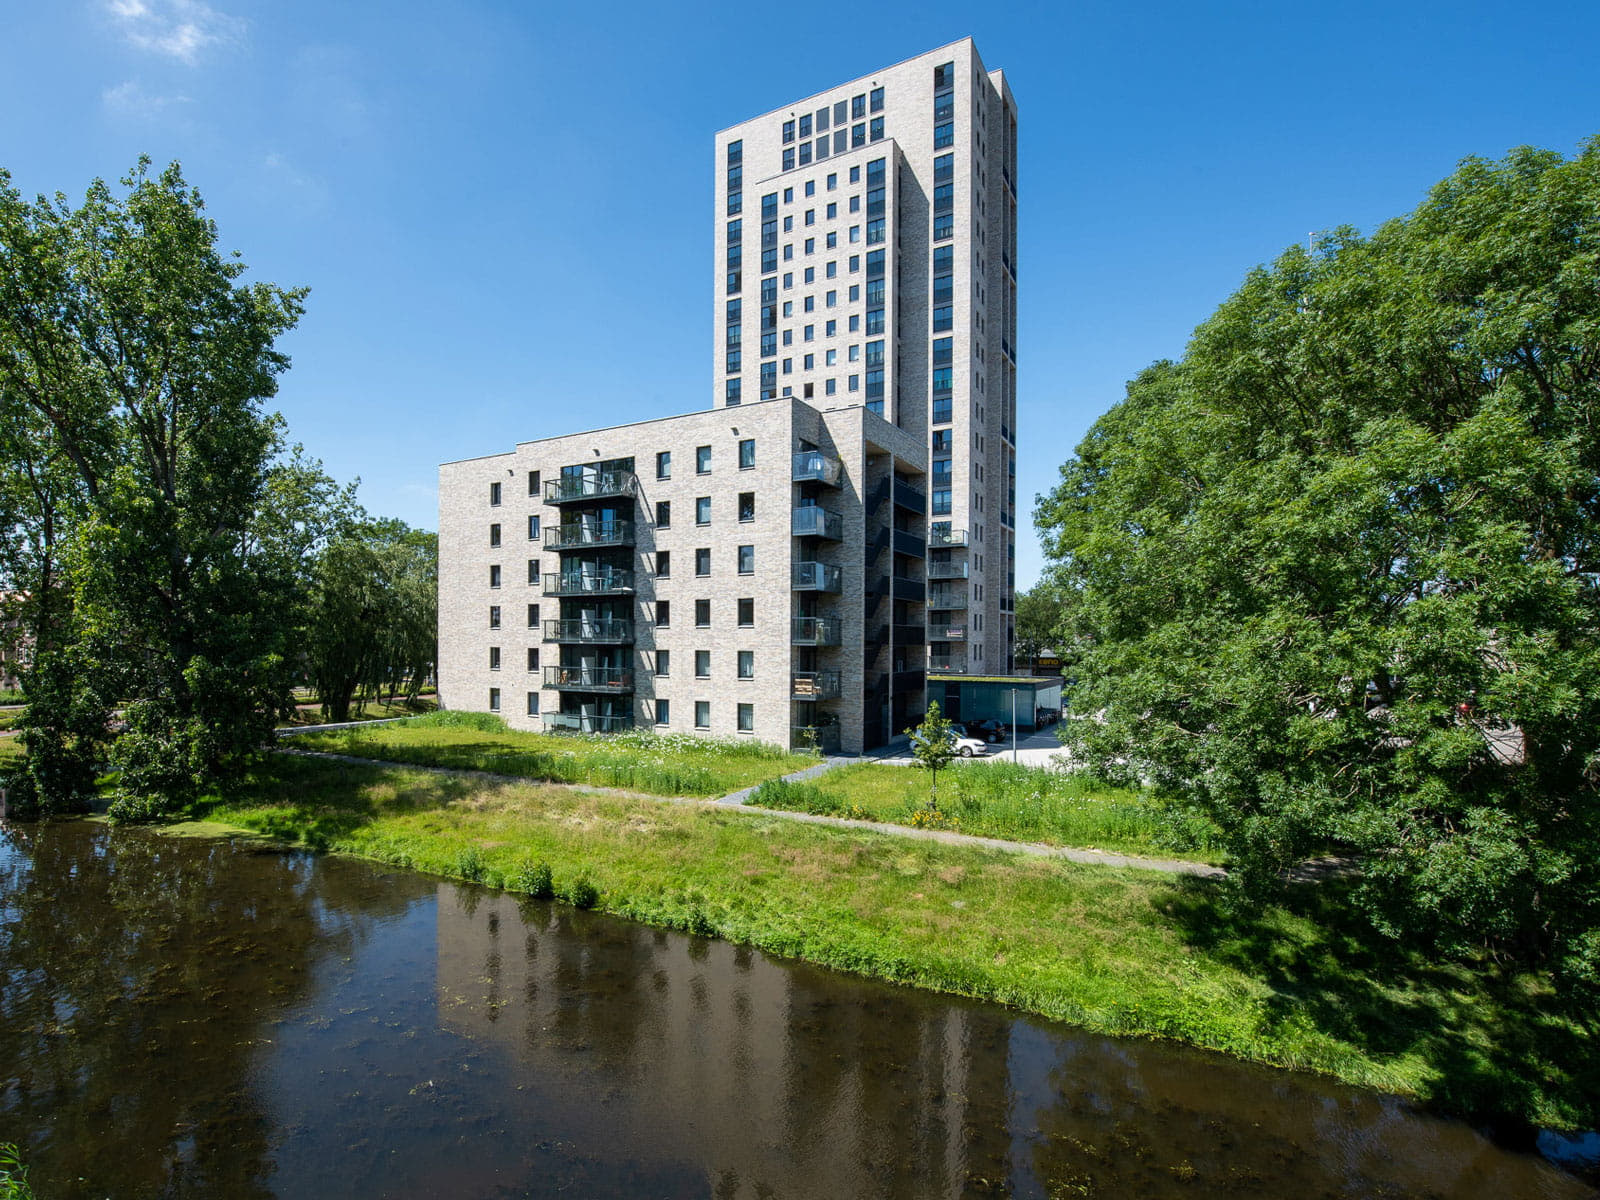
x=1119, y=951
x=998, y=799
x=10, y=752
x=374, y=711
x=661, y=764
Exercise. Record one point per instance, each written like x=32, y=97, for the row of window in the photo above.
x=942, y=409
x=859, y=135
x=534, y=529
x=744, y=664
x=745, y=617
x=745, y=714
x=819, y=121
x=702, y=454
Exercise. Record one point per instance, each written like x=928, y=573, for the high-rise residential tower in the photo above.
x=866, y=254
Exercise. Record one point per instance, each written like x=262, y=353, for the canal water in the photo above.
x=204, y=1018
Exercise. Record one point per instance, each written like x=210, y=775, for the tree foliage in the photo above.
x=934, y=748
x=1337, y=567
x=149, y=511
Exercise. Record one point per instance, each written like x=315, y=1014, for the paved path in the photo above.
x=737, y=800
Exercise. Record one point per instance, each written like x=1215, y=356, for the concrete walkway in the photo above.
x=736, y=800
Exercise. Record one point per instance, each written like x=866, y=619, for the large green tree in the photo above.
x=1337, y=567
x=157, y=526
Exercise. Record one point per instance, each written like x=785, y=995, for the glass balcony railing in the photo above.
x=812, y=521
x=584, y=723
x=599, y=533
x=822, y=738
x=941, y=537
x=816, y=685
x=591, y=485
x=595, y=629
x=817, y=577
x=947, y=570
x=813, y=466
x=814, y=631
x=596, y=584
x=945, y=632
x=947, y=599
x=947, y=662
x=589, y=679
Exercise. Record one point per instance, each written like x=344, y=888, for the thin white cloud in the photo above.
x=129, y=99
x=304, y=191
x=178, y=29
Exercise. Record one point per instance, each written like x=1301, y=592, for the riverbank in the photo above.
x=1111, y=950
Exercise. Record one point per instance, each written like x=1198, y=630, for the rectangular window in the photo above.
x=875, y=354
x=858, y=106
x=733, y=391
x=702, y=614
x=747, y=454
x=663, y=614
x=702, y=510
x=664, y=464
x=494, y=699
x=944, y=135
x=747, y=506
x=822, y=118
x=533, y=483
x=494, y=535
x=941, y=502
x=747, y=718
x=533, y=704
x=702, y=714
x=853, y=384
x=829, y=386
x=663, y=663
x=944, y=168
x=494, y=658
x=494, y=575
x=943, y=317
x=944, y=226
x=747, y=560
x=533, y=658
x=876, y=132
x=533, y=528
x=805, y=126
x=663, y=712
x=663, y=564
x=810, y=248
x=788, y=158
x=494, y=616
x=810, y=333
x=533, y=616
x=747, y=611
x=663, y=514
x=494, y=493
x=811, y=360
x=702, y=460
x=702, y=560
x=942, y=351
x=702, y=664
x=788, y=132
x=942, y=379
x=875, y=231
x=747, y=664
x=858, y=135
x=877, y=99
x=805, y=154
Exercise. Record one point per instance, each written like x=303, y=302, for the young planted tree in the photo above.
x=1337, y=568
x=135, y=366
x=933, y=746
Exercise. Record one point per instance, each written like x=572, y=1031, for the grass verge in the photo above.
x=1117, y=951
x=997, y=799
x=661, y=764
x=380, y=710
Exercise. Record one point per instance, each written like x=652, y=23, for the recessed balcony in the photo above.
x=815, y=631
x=590, y=485
x=590, y=631
x=606, y=582
x=587, y=535
x=589, y=679
x=813, y=521
x=815, y=685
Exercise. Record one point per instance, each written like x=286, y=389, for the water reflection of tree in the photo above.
x=140, y=974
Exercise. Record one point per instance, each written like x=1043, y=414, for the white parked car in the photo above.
x=967, y=747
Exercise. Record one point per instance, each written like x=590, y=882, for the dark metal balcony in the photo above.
x=591, y=485
x=943, y=538
x=592, y=631
x=816, y=577
x=909, y=589
x=910, y=544
x=947, y=570
x=589, y=679
x=814, y=631
x=816, y=685
x=909, y=635
x=583, y=537
x=812, y=521
x=581, y=723
x=813, y=466
x=909, y=497
x=908, y=681
x=606, y=582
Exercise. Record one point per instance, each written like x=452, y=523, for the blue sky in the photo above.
x=503, y=209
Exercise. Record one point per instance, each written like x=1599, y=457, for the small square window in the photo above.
x=702, y=561
x=494, y=575
x=663, y=564
x=747, y=560
x=663, y=663
x=664, y=464
x=494, y=699
x=663, y=514
x=702, y=664
x=702, y=510
x=747, y=664
x=663, y=614
x=747, y=718
x=494, y=493
x=747, y=454
x=747, y=611
x=494, y=535
x=747, y=506
x=811, y=187
x=702, y=460
x=702, y=614
x=663, y=712
x=702, y=714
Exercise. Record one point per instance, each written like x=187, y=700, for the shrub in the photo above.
x=469, y=864
x=534, y=879
x=582, y=893
x=795, y=797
